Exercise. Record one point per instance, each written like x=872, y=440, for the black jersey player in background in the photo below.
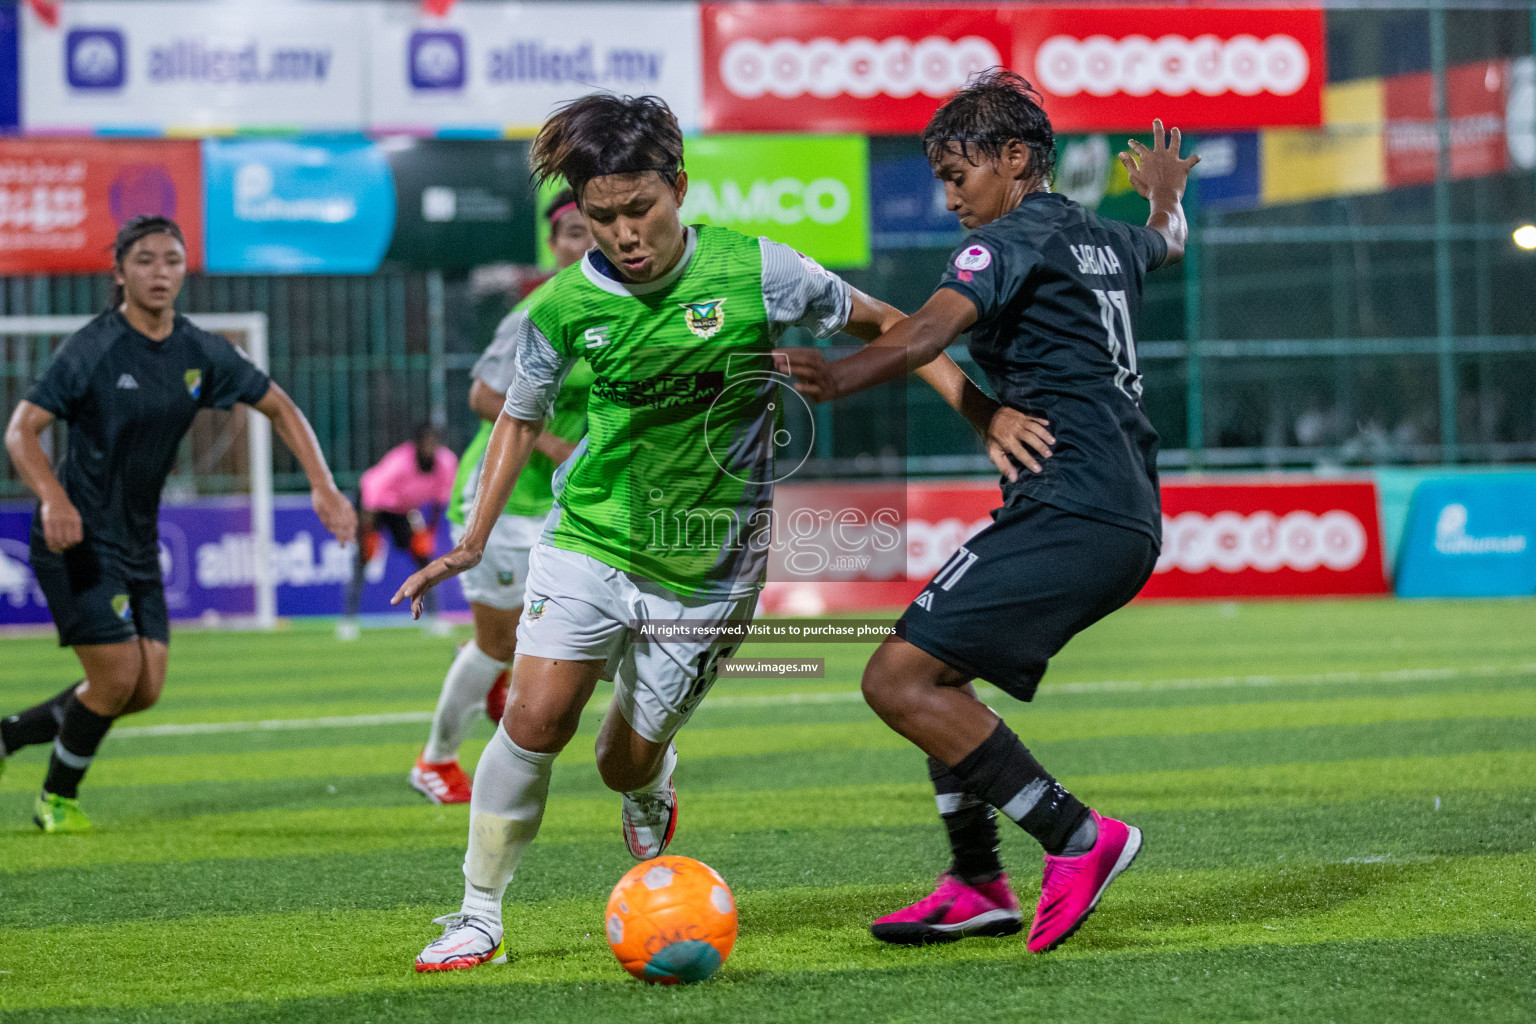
x=128, y=384
x=1049, y=293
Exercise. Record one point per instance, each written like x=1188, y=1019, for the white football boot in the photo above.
x=649, y=821
x=467, y=941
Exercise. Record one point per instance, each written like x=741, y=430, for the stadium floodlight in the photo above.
x=1525, y=236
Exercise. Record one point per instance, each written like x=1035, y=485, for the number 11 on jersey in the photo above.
x=1112, y=305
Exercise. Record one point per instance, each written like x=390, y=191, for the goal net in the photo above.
x=216, y=519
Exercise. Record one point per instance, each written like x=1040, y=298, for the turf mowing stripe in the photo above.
x=728, y=701
x=268, y=833
x=286, y=956
x=1038, y=725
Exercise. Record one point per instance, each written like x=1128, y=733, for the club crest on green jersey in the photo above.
x=704, y=318
x=194, y=381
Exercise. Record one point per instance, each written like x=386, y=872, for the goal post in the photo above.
x=250, y=333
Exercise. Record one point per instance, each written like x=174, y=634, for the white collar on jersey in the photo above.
x=613, y=287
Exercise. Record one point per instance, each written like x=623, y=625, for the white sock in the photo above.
x=469, y=679
x=510, y=790
x=658, y=785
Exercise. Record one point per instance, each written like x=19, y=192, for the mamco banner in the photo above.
x=809, y=192
x=61, y=202
x=166, y=66
x=504, y=67
x=885, y=69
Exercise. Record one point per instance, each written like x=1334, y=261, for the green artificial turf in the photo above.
x=1339, y=801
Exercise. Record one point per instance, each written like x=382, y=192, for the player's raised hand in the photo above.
x=1159, y=168
x=336, y=513
x=1015, y=439
x=460, y=559
x=62, y=528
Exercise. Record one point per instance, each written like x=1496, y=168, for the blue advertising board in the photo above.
x=297, y=206
x=1227, y=176
x=206, y=559
x=10, y=70
x=906, y=205
x=1471, y=536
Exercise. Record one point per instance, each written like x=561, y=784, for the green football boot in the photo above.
x=59, y=814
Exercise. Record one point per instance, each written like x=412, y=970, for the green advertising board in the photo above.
x=810, y=192
x=1089, y=171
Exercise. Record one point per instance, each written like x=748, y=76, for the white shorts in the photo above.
x=499, y=579
x=581, y=610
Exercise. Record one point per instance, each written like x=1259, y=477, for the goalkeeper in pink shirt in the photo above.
x=411, y=477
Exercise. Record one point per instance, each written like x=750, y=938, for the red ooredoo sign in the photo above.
x=886, y=69
x=62, y=201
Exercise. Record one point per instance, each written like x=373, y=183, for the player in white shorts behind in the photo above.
x=657, y=512
x=494, y=588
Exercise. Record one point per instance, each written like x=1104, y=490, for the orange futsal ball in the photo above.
x=671, y=920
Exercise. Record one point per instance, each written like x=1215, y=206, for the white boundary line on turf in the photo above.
x=1407, y=675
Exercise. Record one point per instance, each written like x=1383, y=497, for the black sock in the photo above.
x=1002, y=772
x=971, y=824
x=37, y=724
x=80, y=734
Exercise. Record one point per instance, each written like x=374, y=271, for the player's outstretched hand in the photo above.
x=1015, y=439
x=812, y=372
x=1160, y=168
x=62, y=528
x=336, y=513
x=460, y=559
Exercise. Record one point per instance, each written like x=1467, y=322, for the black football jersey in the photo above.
x=128, y=401
x=1057, y=290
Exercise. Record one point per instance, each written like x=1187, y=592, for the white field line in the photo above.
x=1407, y=675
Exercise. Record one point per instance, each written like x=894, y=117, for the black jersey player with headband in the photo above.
x=1049, y=293
x=128, y=384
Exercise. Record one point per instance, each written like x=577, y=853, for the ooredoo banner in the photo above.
x=503, y=67
x=885, y=69
x=167, y=66
x=878, y=69
x=1195, y=67
x=61, y=202
x=1271, y=539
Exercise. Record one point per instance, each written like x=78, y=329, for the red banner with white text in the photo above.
x=1239, y=539
x=62, y=201
x=878, y=68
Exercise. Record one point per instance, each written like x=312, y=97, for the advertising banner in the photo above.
x=501, y=68
x=884, y=69
x=1195, y=67
x=1472, y=536
x=461, y=203
x=1227, y=176
x=1281, y=539
x=1476, y=98
x=1089, y=171
x=301, y=206
x=207, y=560
x=873, y=68
x=181, y=66
x=809, y=192
x=907, y=208
x=61, y=202
x=10, y=68
x=1345, y=157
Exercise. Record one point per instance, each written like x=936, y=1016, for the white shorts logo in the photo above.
x=977, y=257
x=1172, y=65
x=861, y=67
x=1264, y=541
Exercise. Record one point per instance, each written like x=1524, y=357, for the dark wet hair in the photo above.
x=996, y=107
x=602, y=134
x=129, y=235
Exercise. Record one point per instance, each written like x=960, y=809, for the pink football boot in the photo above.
x=1073, y=886
x=953, y=911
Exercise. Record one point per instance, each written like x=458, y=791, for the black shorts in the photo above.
x=96, y=600
x=1015, y=593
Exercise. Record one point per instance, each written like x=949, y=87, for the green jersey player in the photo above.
x=659, y=514
x=494, y=588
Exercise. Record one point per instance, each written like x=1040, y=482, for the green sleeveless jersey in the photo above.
x=675, y=478
x=533, y=494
